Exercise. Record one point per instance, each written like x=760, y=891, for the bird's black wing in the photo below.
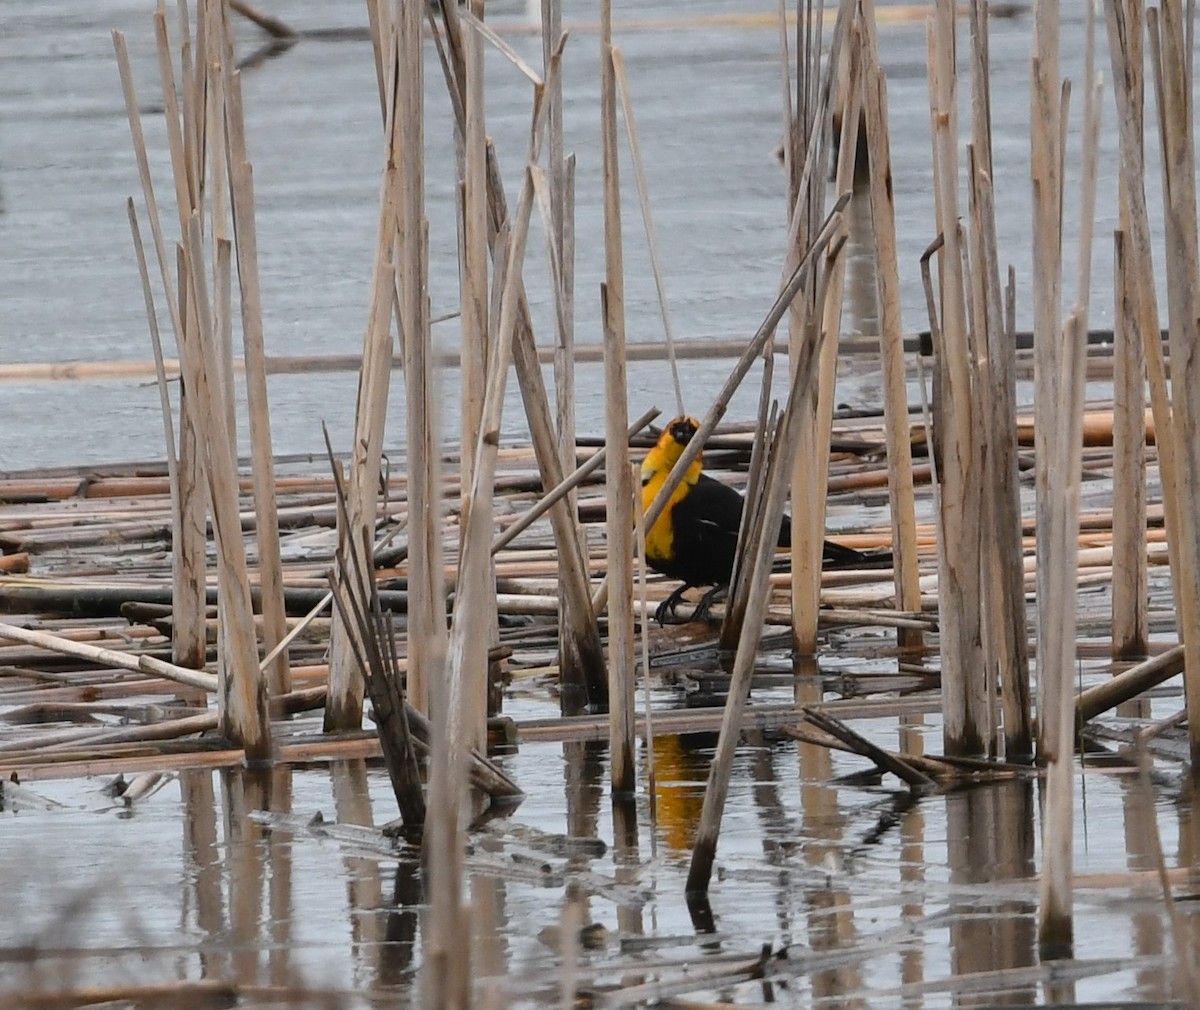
x=705, y=524
x=833, y=554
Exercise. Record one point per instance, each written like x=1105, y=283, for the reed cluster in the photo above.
x=431, y=681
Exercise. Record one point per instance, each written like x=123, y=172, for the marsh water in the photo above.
x=889, y=900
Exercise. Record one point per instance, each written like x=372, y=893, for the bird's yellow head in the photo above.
x=669, y=448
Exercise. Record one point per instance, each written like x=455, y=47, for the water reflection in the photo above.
x=244, y=791
x=680, y=775
x=829, y=859
x=398, y=955
x=584, y=765
x=280, y=905
x=990, y=839
x=1141, y=853
x=823, y=829
x=912, y=875
x=778, y=831
x=364, y=883
x=202, y=869
x=627, y=857
x=822, y=859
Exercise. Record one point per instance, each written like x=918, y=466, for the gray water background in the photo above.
x=707, y=101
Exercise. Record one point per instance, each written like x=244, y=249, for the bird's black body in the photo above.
x=706, y=523
x=696, y=538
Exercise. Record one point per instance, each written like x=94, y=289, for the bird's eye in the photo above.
x=683, y=432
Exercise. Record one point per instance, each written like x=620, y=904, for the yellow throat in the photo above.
x=658, y=463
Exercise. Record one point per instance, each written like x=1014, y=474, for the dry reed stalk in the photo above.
x=186, y=164
x=558, y=174
x=618, y=486
x=692, y=349
x=242, y=700
x=643, y=191
x=1005, y=552
x=1130, y=585
x=1056, y=648
x=343, y=709
x=1125, y=21
x=1058, y=396
x=811, y=467
x=1173, y=90
x=908, y=772
x=273, y=26
x=584, y=680
x=17, y=563
x=466, y=664
x=221, y=380
x=445, y=974
x=295, y=631
x=1004, y=618
x=375, y=646
x=1128, y=684
x=191, y=75
x=187, y=509
x=160, y=370
x=565, y=486
x=891, y=334
x=189, y=503
x=43, y=745
x=750, y=530
x=778, y=472
x=477, y=343
x=807, y=195
x=427, y=623
x=580, y=657
x=270, y=564
x=578, y=642
x=789, y=291
x=1185, y=973
x=210, y=16
x=473, y=280
x=203, y=993
x=243, y=691
x=108, y=657
x=188, y=542
x=190, y=552
x=965, y=694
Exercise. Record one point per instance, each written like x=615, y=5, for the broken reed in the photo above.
x=618, y=485
x=346, y=683
x=973, y=362
x=965, y=711
x=901, y=497
x=202, y=324
x=776, y=475
x=1168, y=27
x=1058, y=391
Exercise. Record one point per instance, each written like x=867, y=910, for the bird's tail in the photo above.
x=836, y=555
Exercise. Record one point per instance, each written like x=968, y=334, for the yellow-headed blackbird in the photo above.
x=695, y=538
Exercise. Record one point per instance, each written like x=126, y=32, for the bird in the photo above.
x=695, y=538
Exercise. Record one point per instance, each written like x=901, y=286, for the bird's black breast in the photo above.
x=705, y=526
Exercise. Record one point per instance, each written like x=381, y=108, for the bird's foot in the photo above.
x=706, y=601
x=667, y=607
